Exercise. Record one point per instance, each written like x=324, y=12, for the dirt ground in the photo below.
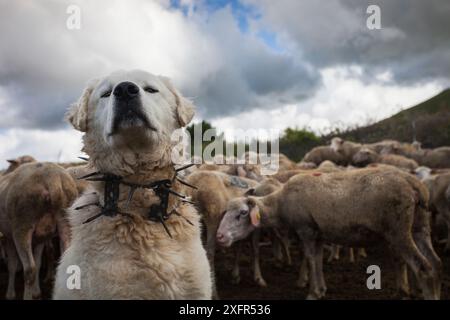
x=344, y=279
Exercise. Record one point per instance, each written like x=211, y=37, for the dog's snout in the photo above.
x=126, y=90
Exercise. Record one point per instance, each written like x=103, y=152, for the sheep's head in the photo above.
x=423, y=172
x=393, y=148
x=240, y=219
x=364, y=157
x=15, y=163
x=337, y=144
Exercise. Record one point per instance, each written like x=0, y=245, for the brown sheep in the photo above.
x=32, y=201
x=324, y=167
x=366, y=156
x=432, y=158
x=319, y=154
x=284, y=163
x=439, y=188
x=280, y=240
x=306, y=165
x=15, y=163
x=76, y=172
x=346, y=148
x=390, y=210
x=215, y=189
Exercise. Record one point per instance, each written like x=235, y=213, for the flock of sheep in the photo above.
x=388, y=194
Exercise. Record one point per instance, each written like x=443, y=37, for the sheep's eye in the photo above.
x=106, y=94
x=151, y=90
x=243, y=212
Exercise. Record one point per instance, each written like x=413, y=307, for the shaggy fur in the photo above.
x=131, y=257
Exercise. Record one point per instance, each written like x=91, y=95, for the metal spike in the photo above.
x=83, y=158
x=187, y=201
x=186, y=183
x=93, y=218
x=87, y=205
x=89, y=175
x=130, y=196
x=184, y=167
x=98, y=179
x=164, y=225
x=176, y=194
x=186, y=219
x=126, y=214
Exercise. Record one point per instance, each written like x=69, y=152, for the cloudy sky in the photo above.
x=246, y=64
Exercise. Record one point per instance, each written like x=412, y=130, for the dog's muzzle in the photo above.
x=128, y=110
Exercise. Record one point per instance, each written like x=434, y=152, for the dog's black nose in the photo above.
x=126, y=90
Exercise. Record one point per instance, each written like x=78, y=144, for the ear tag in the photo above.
x=255, y=216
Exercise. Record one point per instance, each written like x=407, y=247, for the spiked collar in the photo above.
x=157, y=212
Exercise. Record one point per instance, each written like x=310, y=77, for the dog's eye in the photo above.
x=106, y=94
x=151, y=90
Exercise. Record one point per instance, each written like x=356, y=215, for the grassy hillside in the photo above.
x=430, y=118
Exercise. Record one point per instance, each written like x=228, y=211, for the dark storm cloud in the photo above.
x=414, y=42
x=43, y=66
x=252, y=74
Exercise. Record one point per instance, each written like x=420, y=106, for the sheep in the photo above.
x=246, y=170
x=214, y=189
x=15, y=163
x=306, y=165
x=324, y=167
x=284, y=163
x=280, y=244
x=367, y=156
x=382, y=145
x=319, y=154
x=33, y=197
x=76, y=172
x=390, y=209
x=432, y=158
x=439, y=188
x=345, y=148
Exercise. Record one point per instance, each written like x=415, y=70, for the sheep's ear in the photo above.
x=255, y=216
x=78, y=111
x=250, y=192
x=185, y=108
x=241, y=172
x=12, y=161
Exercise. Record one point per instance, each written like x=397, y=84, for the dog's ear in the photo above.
x=185, y=108
x=77, y=112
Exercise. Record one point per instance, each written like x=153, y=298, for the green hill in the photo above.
x=428, y=122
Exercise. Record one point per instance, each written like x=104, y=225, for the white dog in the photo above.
x=128, y=118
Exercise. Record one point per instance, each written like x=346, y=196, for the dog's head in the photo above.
x=129, y=112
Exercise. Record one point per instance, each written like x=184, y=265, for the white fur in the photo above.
x=133, y=258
